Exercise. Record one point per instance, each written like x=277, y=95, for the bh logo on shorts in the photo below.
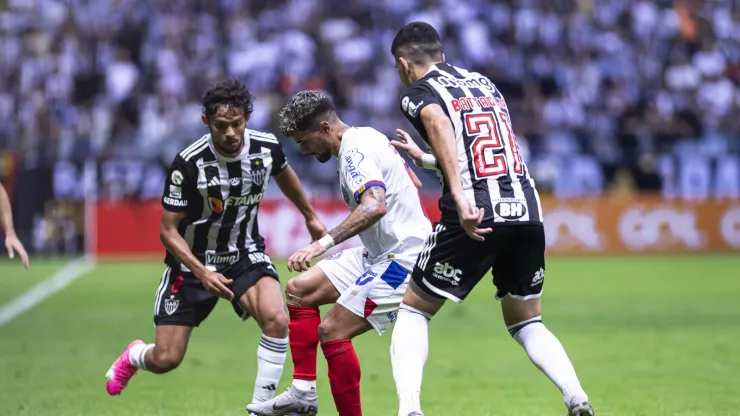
x=447, y=273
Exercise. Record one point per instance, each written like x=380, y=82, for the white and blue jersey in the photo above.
x=373, y=278
x=367, y=159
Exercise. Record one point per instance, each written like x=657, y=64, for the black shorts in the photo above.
x=451, y=263
x=181, y=298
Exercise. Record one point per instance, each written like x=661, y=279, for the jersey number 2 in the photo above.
x=487, y=130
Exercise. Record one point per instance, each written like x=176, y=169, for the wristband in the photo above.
x=428, y=161
x=327, y=242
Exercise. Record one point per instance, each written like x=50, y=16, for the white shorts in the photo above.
x=369, y=290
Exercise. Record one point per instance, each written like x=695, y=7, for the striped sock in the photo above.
x=270, y=359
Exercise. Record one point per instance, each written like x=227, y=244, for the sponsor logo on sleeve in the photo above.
x=352, y=159
x=176, y=177
x=175, y=192
x=175, y=202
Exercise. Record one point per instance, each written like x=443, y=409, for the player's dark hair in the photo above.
x=418, y=41
x=305, y=111
x=231, y=93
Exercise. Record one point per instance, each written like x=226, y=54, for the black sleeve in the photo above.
x=279, y=162
x=179, y=186
x=416, y=97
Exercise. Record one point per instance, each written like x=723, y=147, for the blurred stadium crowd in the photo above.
x=602, y=86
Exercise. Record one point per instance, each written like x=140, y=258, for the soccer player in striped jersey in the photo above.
x=491, y=216
x=364, y=283
x=214, y=249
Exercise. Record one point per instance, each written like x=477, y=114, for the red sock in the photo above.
x=304, y=339
x=344, y=376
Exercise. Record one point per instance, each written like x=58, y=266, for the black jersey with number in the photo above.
x=220, y=196
x=493, y=173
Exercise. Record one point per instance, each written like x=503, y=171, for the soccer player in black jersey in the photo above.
x=491, y=216
x=214, y=249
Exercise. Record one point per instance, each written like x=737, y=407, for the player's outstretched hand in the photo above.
x=470, y=218
x=408, y=145
x=216, y=283
x=316, y=228
x=14, y=245
x=300, y=261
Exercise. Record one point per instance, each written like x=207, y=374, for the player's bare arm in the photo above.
x=420, y=158
x=371, y=209
x=441, y=138
x=415, y=179
x=175, y=244
x=290, y=186
x=12, y=243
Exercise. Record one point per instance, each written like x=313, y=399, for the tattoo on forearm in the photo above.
x=363, y=217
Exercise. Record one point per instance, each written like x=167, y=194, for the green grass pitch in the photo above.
x=647, y=335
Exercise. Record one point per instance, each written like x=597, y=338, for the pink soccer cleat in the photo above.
x=121, y=372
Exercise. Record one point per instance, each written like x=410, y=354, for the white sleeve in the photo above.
x=360, y=172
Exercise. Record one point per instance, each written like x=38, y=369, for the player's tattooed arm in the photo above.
x=371, y=209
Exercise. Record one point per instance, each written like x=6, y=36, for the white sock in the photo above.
x=137, y=353
x=409, y=351
x=304, y=385
x=270, y=359
x=546, y=352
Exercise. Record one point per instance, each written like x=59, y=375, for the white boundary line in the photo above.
x=42, y=290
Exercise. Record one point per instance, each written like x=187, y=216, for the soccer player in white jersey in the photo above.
x=364, y=283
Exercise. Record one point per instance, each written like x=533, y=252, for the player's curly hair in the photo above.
x=232, y=93
x=304, y=112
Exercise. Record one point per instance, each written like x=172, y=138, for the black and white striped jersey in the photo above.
x=220, y=197
x=493, y=174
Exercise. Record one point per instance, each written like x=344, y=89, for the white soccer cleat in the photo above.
x=291, y=402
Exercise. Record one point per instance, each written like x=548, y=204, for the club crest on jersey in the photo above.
x=410, y=107
x=216, y=205
x=176, y=177
x=259, y=171
x=171, y=305
x=405, y=103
